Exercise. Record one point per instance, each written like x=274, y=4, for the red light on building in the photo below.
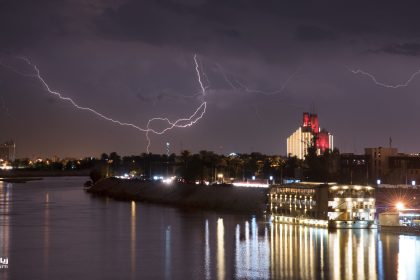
x=322, y=141
x=306, y=121
x=314, y=123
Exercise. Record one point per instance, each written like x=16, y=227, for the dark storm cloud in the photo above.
x=308, y=33
x=29, y=23
x=134, y=59
x=253, y=26
x=239, y=26
x=168, y=22
x=408, y=49
x=22, y=23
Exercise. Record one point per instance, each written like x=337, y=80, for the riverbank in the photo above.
x=25, y=173
x=227, y=198
x=19, y=180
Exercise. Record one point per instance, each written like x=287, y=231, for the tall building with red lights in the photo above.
x=307, y=135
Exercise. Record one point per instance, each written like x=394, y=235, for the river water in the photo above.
x=52, y=229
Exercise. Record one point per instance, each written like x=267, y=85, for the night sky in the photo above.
x=265, y=62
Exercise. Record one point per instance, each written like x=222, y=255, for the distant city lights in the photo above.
x=5, y=166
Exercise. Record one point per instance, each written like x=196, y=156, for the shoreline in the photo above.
x=220, y=198
x=217, y=198
x=19, y=173
x=20, y=180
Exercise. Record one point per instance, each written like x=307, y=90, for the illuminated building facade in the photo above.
x=8, y=151
x=329, y=205
x=307, y=135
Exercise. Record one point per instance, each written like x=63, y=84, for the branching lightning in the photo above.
x=235, y=84
x=373, y=78
x=275, y=92
x=179, y=123
x=196, y=116
x=225, y=76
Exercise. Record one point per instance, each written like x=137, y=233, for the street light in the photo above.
x=220, y=177
x=413, y=182
x=378, y=181
x=400, y=206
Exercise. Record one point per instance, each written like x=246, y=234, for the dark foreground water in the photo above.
x=52, y=229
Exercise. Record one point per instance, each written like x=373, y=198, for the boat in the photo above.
x=328, y=205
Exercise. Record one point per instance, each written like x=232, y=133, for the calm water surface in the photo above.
x=52, y=229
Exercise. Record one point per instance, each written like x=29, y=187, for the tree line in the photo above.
x=203, y=166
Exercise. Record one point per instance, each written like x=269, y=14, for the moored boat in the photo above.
x=327, y=205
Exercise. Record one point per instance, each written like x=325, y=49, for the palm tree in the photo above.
x=185, y=156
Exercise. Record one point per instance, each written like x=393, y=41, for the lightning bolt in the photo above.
x=196, y=116
x=197, y=69
x=373, y=78
x=275, y=92
x=235, y=84
x=179, y=123
x=225, y=76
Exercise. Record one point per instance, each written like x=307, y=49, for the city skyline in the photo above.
x=263, y=64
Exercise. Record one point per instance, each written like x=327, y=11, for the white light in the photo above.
x=168, y=180
x=6, y=167
x=399, y=206
x=413, y=182
x=253, y=177
x=271, y=178
x=378, y=182
x=248, y=184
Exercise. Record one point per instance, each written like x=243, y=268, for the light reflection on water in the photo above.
x=5, y=209
x=252, y=251
x=220, y=249
x=46, y=233
x=133, y=235
x=207, y=251
x=408, y=257
x=168, y=253
x=52, y=229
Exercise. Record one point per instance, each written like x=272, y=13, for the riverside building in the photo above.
x=8, y=151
